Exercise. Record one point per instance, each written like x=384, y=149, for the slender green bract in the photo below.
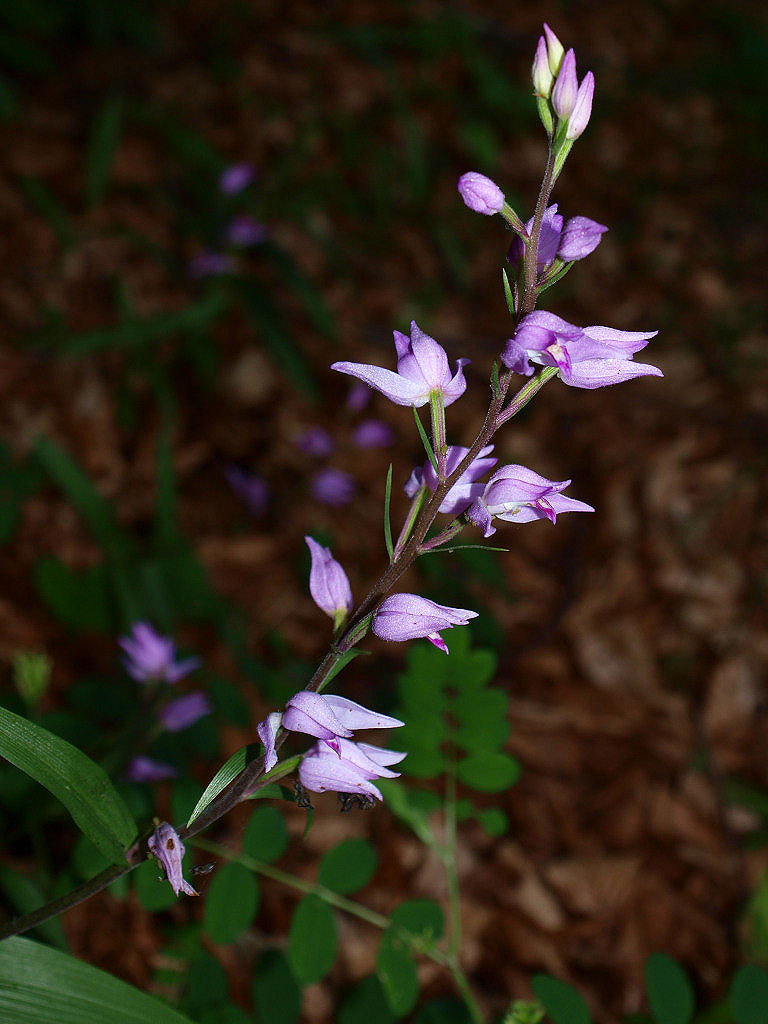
x=226, y=774
x=81, y=785
x=387, y=521
x=39, y=985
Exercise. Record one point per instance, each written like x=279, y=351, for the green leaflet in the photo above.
x=81, y=785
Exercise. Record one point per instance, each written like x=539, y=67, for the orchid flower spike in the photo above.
x=518, y=495
x=165, y=844
x=408, y=616
x=422, y=370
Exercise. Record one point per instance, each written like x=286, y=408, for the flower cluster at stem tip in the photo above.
x=465, y=483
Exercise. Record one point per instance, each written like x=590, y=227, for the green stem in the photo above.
x=528, y=303
x=24, y=922
x=447, y=960
x=328, y=896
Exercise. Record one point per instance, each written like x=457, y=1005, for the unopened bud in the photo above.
x=555, y=49
x=480, y=193
x=540, y=72
x=582, y=108
x=566, y=87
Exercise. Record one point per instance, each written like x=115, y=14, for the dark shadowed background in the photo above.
x=632, y=643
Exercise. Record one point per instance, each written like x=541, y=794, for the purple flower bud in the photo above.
x=518, y=495
x=328, y=583
x=165, y=844
x=235, y=178
x=582, y=108
x=184, y=711
x=373, y=434
x=579, y=238
x=333, y=486
x=555, y=49
x=349, y=771
x=422, y=368
x=150, y=657
x=145, y=769
x=408, y=616
x=243, y=231
x=566, y=87
x=540, y=72
x=480, y=193
x=209, y=264
x=315, y=441
x=253, y=490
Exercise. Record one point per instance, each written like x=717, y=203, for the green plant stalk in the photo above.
x=447, y=960
x=530, y=291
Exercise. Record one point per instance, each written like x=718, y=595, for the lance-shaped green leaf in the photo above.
x=39, y=985
x=81, y=785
